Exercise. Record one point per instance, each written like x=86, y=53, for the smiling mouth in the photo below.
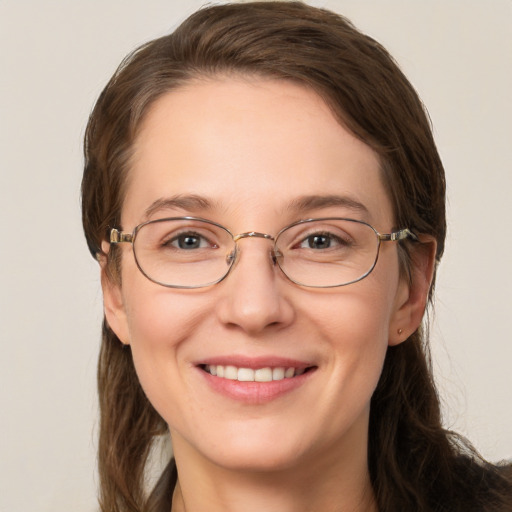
x=266, y=374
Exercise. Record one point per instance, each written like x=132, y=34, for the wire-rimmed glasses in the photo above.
x=191, y=252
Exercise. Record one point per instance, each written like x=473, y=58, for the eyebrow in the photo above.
x=183, y=202
x=299, y=205
x=318, y=202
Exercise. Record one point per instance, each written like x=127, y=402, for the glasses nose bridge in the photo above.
x=252, y=234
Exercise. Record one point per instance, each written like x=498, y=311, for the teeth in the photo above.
x=245, y=374
x=290, y=372
x=278, y=374
x=263, y=375
x=249, y=375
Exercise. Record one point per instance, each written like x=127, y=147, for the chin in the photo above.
x=248, y=450
x=256, y=460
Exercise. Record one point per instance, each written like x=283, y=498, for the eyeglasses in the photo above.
x=190, y=252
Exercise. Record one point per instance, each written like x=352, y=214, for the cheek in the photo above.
x=159, y=321
x=158, y=318
x=358, y=334
x=354, y=326
x=359, y=315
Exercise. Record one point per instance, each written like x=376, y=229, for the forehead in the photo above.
x=248, y=146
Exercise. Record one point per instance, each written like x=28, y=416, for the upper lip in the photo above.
x=241, y=361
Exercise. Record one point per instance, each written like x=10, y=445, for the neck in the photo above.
x=326, y=485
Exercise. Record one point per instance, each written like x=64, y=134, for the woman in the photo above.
x=267, y=204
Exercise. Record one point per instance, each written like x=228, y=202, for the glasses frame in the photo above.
x=117, y=236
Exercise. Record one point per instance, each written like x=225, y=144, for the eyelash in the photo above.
x=168, y=241
x=340, y=240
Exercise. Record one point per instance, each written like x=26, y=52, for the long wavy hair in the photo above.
x=415, y=465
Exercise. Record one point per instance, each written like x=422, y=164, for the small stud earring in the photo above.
x=399, y=331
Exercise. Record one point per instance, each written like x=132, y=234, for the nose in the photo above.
x=252, y=297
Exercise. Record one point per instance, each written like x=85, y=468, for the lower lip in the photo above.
x=255, y=392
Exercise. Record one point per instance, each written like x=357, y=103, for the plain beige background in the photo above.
x=57, y=55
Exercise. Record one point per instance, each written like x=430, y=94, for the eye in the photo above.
x=188, y=241
x=320, y=241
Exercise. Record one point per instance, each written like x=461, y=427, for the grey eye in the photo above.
x=188, y=241
x=318, y=242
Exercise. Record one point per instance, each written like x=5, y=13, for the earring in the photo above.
x=399, y=331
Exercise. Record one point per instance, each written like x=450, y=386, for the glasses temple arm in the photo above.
x=402, y=234
x=118, y=237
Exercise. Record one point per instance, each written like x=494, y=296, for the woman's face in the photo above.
x=259, y=154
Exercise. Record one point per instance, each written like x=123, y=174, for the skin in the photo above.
x=251, y=147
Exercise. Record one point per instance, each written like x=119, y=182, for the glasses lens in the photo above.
x=327, y=252
x=186, y=253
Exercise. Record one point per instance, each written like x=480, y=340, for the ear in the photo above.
x=412, y=294
x=113, y=304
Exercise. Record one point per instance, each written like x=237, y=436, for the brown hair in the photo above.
x=414, y=463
